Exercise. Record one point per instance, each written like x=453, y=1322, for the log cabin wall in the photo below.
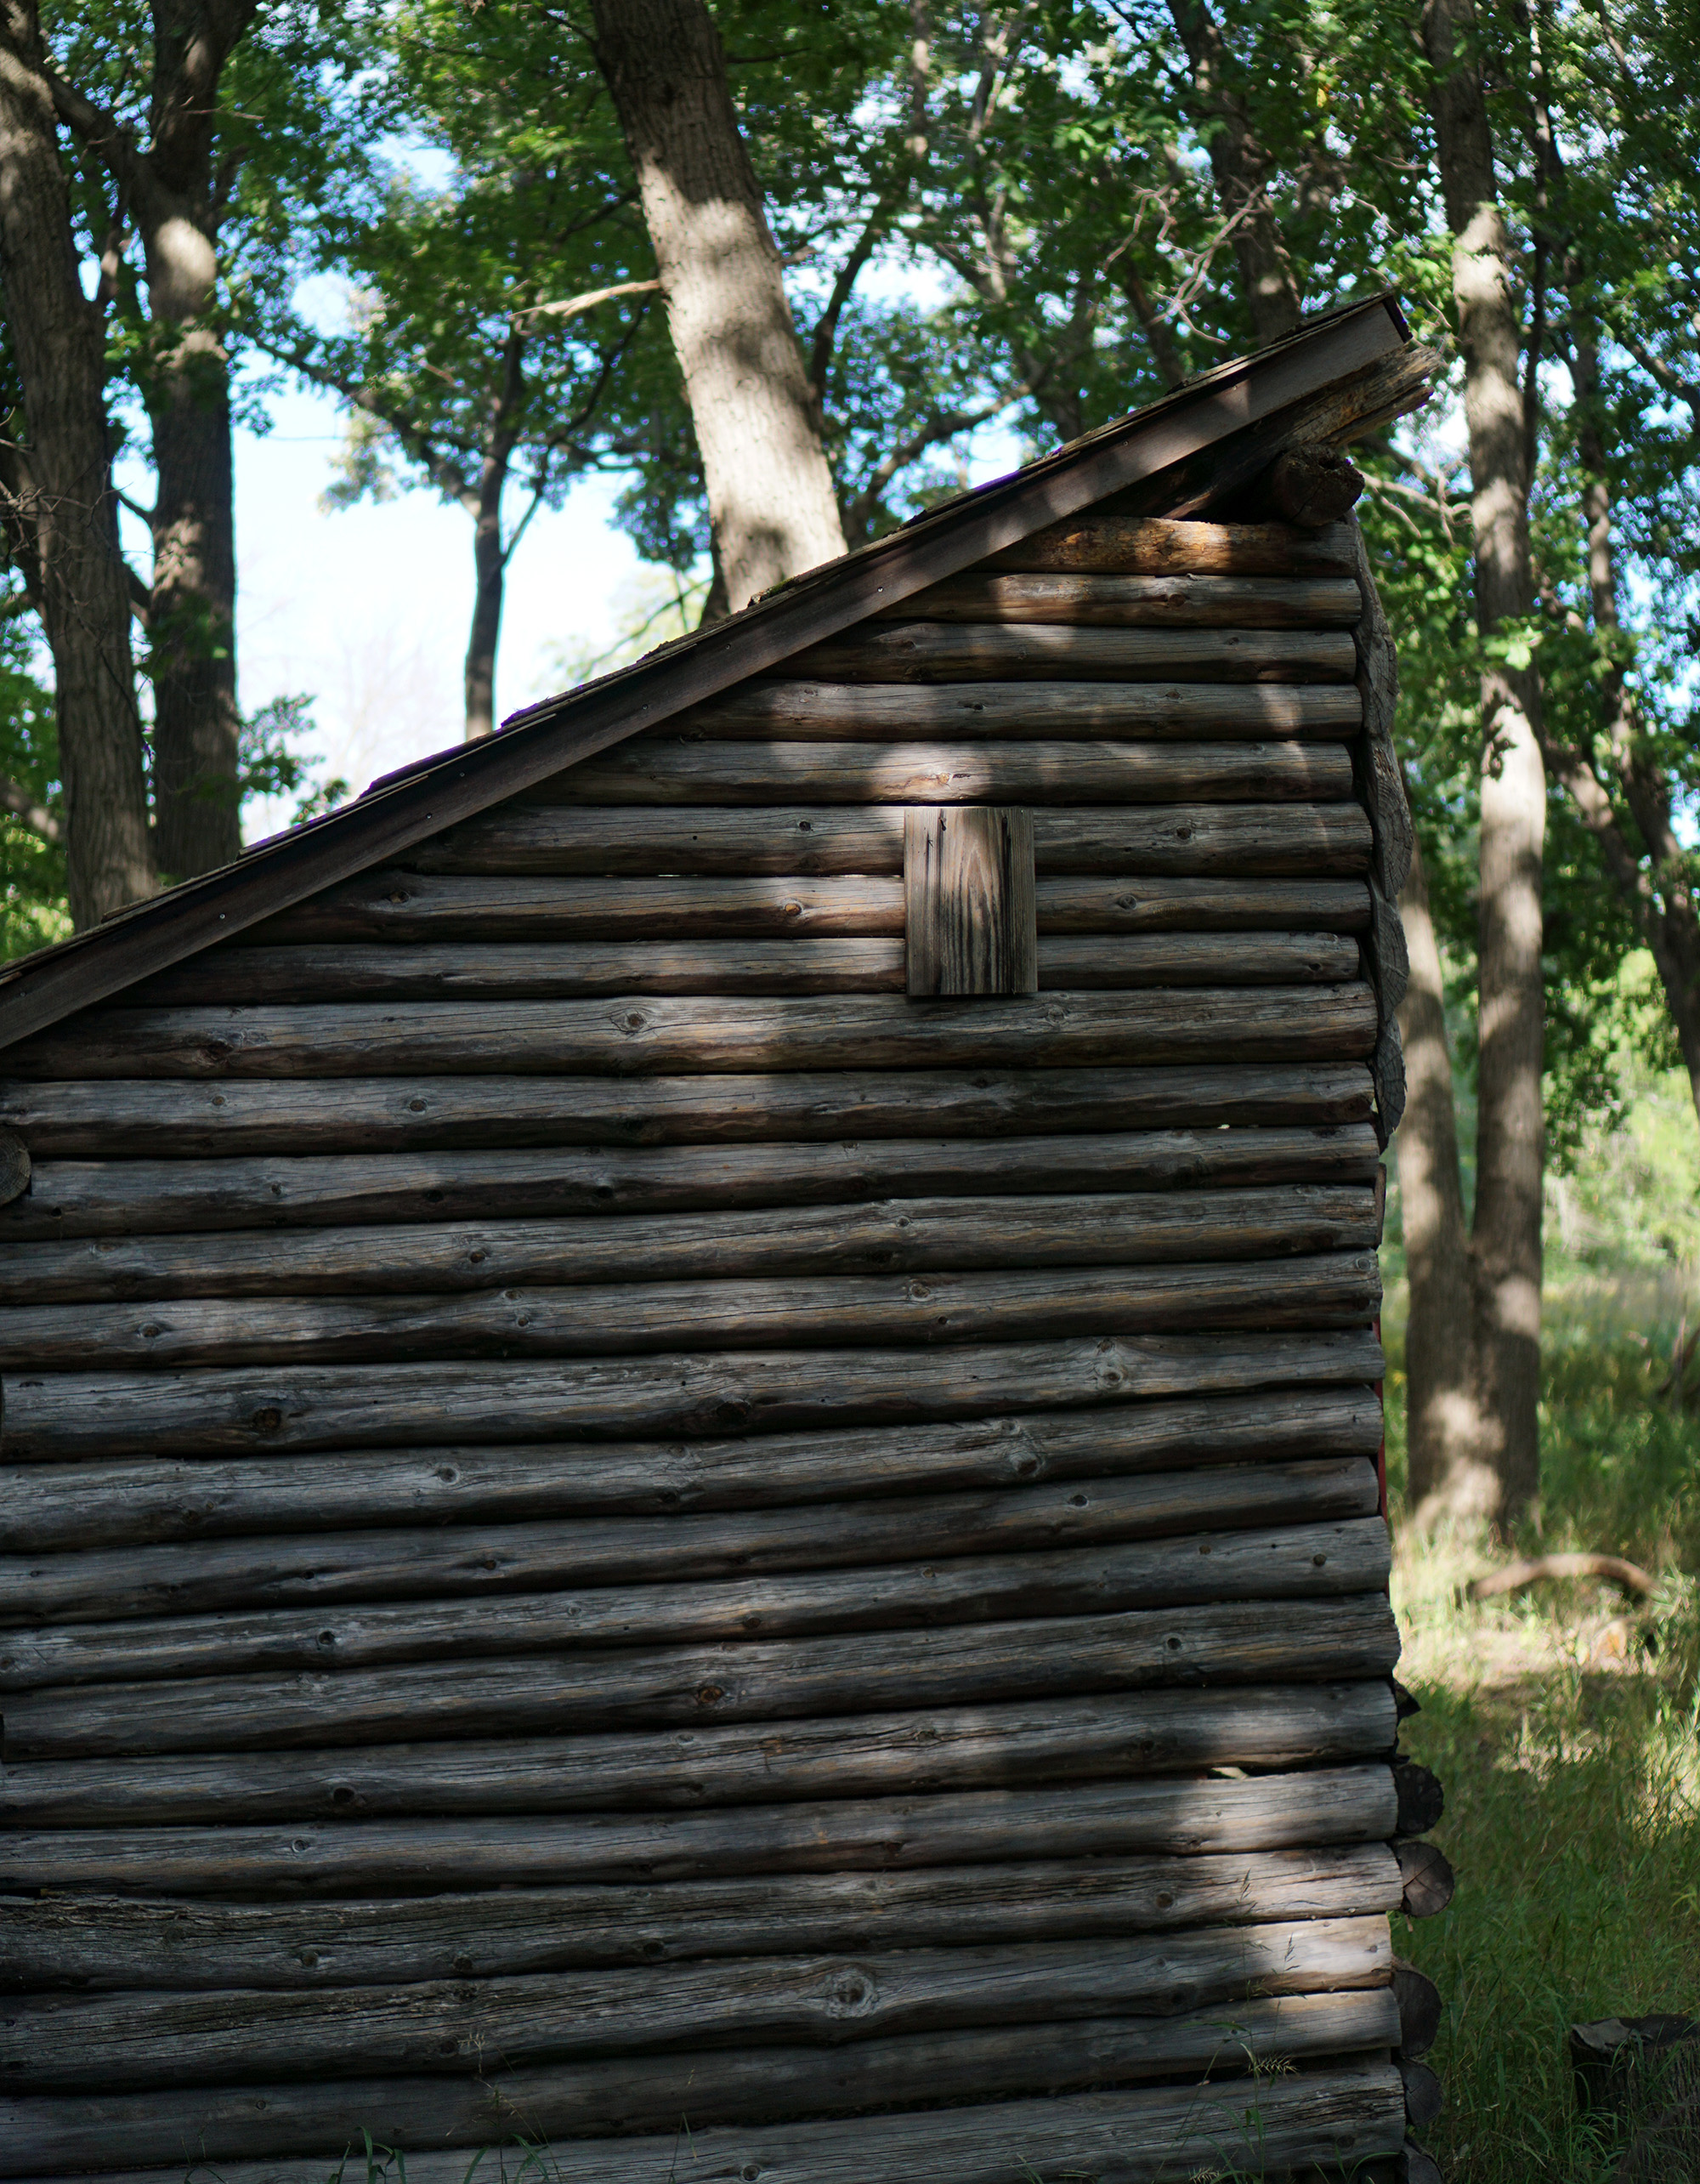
x=613, y=1524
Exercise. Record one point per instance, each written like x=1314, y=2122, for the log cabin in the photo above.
x=692, y=1402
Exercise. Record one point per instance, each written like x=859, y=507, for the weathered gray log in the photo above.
x=1422, y=1801
x=655, y=772
x=1417, y=2167
x=314, y=1570
x=1150, y=545
x=393, y=905
x=604, y=1319
x=923, y=650
x=896, y=1832
x=1424, y=2097
x=58, y=1417
x=45, y=1506
x=847, y=1672
x=1225, y=1565
x=60, y=2042
x=14, y=1166
x=1243, y=842
x=415, y=906
x=628, y=2093
x=970, y=919
x=1118, y=602
x=816, y=711
x=1312, y=485
x=1163, y=905
x=910, y=1236
x=140, y=1118
x=140, y=1198
x=561, y=970
x=93, y=1944
x=1420, y=2010
x=1340, y=2114
x=1427, y=1878
x=657, y=1035
x=1387, y=1067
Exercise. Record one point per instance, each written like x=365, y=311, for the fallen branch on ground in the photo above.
x=1515, y=1575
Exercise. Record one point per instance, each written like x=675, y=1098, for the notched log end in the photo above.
x=1312, y=486
x=14, y=1166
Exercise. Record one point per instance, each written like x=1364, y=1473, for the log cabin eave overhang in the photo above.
x=402, y=808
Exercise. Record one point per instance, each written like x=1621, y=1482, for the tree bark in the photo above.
x=192, y=618
x=1240, y=170
x=771, y=501
x=71, y=510
x=1506, y=1233
x=1447, y=1478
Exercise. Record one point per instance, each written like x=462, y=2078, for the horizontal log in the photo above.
x=917, y=649
x=143, y=1118
x=611, y=1319
x=889, y=1236
x=558, y=970
x=422, y=906
x=446, y=1690
x=651, y=772
x=115, y=1198
x=108, y=2042
x=659, y=1036
x=14, y=1166
x=1178, y=602
x=101, y=1943
x=1008, y=1746
x=1139, y=906
x=69, y=1417
x=651, y=2092
x=183, y=1637
x=1237, y=841
x=316, y=1571
x=809, y=713
x=45, y=1507
x=1154, y=546
x=1341, y=2115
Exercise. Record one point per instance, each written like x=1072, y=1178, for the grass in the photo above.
x=1566, y=1732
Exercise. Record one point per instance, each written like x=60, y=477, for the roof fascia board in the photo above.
x=546, y=738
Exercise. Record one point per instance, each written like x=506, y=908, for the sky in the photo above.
x=365, y=609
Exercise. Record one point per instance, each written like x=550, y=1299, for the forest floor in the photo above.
x=1565, y=1726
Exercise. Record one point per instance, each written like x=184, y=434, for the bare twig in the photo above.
x=572, y=306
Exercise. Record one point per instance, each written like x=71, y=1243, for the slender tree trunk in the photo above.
x=72, y=511
x=1241, y=174
x=191, y=618
x=1447, y=1478
x=770, y=497
x=1506, y=1233
x=489, y=574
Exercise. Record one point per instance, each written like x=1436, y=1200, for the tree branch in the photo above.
x=572, y=307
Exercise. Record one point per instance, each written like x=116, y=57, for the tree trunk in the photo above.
x=191, y=621
x=1662, y=900
x=1506, y=1235
x=1240, y=171
x=490, y=550
x=770, y=496
x=84, y=586
x=1446, y=1475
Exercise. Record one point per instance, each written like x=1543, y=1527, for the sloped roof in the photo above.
x=402, y=808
